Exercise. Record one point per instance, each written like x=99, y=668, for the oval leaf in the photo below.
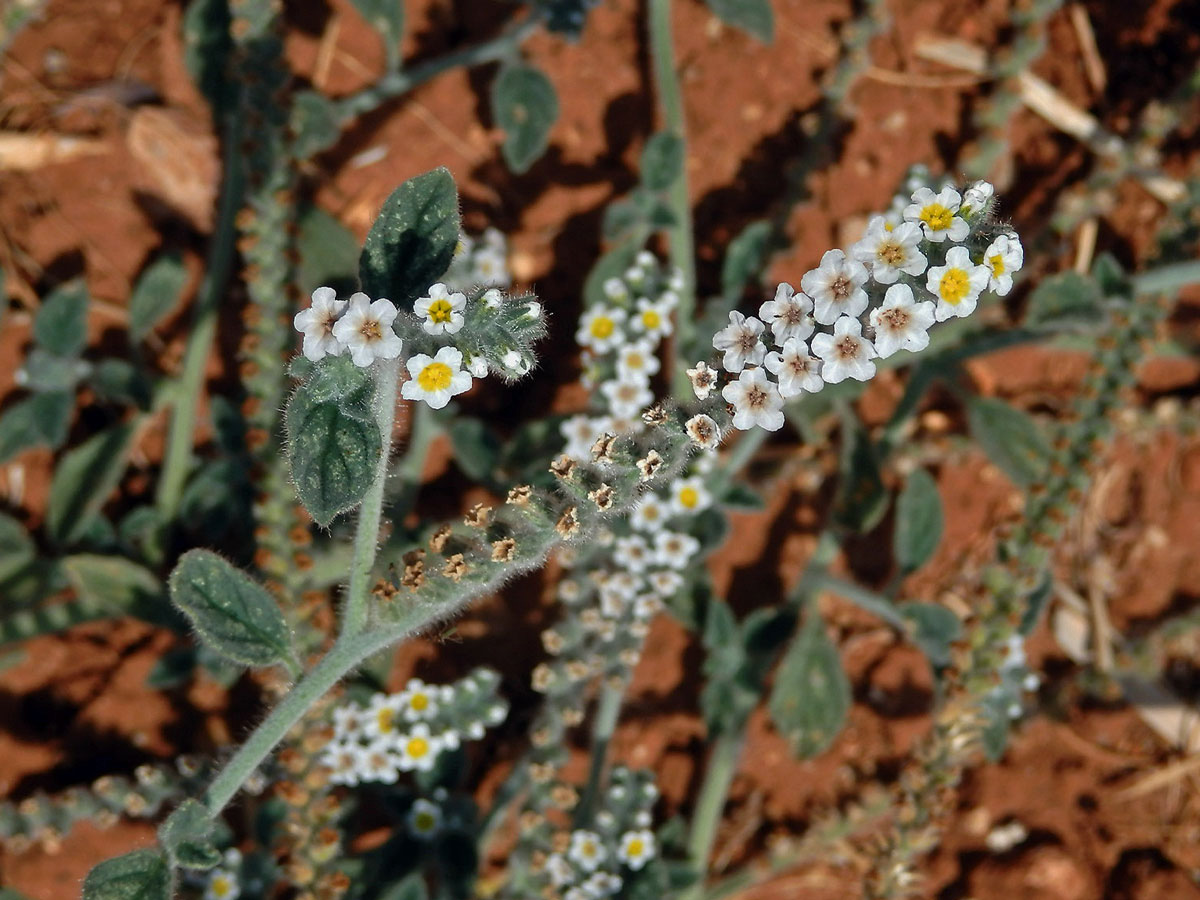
x=1010, y=438
x=332, y=440
x=386, y=17
x=61, y=324
x=83, y=480
x=17, y=549
x=117, y=586
x=156, y=293
x=140, y=875
x=232, y=613
x=861, y=499
x=662, y=161
x=38, y=421
x=526, y=107
x=410, y=245
x=811, y=696
x=919, y=521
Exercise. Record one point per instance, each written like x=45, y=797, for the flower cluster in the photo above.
x=480, y=261
x=594, y=862
x=452, y=336
x=930, y=264
x=407, y=731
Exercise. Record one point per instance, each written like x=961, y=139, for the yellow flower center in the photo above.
x=635, y=361
x=936, y=216
x=891, y=253
x=651, y=318
x=385, y=719
x=689, y=497
x=425, y=821
x=439, y=311
x=888, y=226
x=221, y=886
x=997, y=264
x=417, y=747
x=370, y=330
x=588, y=848
x=954, y=286
x=636, y=847
x=602, y=327
x=419, y=702
x=435, y=377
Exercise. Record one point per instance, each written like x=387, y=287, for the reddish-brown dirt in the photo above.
x=76, y=705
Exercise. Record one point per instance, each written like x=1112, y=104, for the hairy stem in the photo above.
x=607, y=710
x=1166, y=279
x=718, y=776
x=177, y=460
x=366, y=538
x=679, y=235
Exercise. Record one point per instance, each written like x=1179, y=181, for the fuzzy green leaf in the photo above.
x=47, y=372
x=753, y=16
x=1066, y=299
x=662, y=160
x=333, y=442
x=1010, y=438
x=745, y=258
x=314, y=124
x=526, y=107
x=476, y=448
x=861, y=499
x=811, y=697
x=919, y=521
x=328, y=252
x=386, y=17
x=119, y=381
x=17, y=549
x=232, y=613
x=933, y=628
x=117, y=586
x=187, y=836
x=83, y=480
x=157, y=292
x=38, y=421
x=61, y=323
x=140, y=875
x=411, y=243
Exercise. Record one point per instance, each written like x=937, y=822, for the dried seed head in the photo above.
x=655, y=416
x=603, y=447
x=384, y=590
x=437, y=543
x=564, y=797
x=541, y=773
x=602, y=497
x=703, y=380
x=563, y=467
x=650, y=464
x=503, y=550
x=572, y=716
x=542, y=678
x=552, y=641
x=478, y=515
x=567, y=524
x=455, y=568
x=519, y=496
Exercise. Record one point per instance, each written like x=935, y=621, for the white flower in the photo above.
x=492, y=299
x=704, y=431
x=636, y=361
x=586, y=850
x=789, y=314
x=516, y=362
x=900, y=323
x=847, y=354
x=836, y=287
x=533, y=310
x=665, y=582
x=448, y=739
x=935, y=213
x=477, y=366
x=602, y=884
x=626, y=398
x=652, y=318
x=379, y=762
x=957, y=284
x=675, y=549
x=633, y=553
x=344, y=760
x=418, y=700
x=443, y=310
x=383, y=716
x=688, y=495
x=796, y=370
x=348, y=722
x=637, y=848
x=615, y=290
x=649, y=514
x=1003, y=257
x=490, y=263
x=647, y=606
x=418, y=749
x=222, y=885
x=703, y=380
x=316, y=324
x=424, y=819
x=581, y=432
x=756, y=401
x=559, y=870
x=365, y=329
x=976, y=200
x=436, y=379
x=600, y=328
x=739, y=341
x=889, y=251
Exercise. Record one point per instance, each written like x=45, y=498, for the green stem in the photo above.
x=679, y=235
x=605, y=723
x=1167, y=279
x=396, y=84
x=718, y=776
x=177, y=460
x=366, y=537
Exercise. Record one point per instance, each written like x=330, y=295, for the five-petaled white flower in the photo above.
x=675, y=549
x=560, y=871
x=633, y=553
x=704, y=431
x=739, y=341
x=1002, y=257
x=796, y=369
x=418, y=700
x=636, y=361
x=600, y=328
x=424, y=819
x=586, y=850
x=380, y=762
x=976, y=200
x=957, y=284
x=636, y=849
x=889, y=251
x=649, y=514
x=836, y=287
x=581, y=432
x=344, y=760
x=442, y=309
x=435, y=379
x=756, y=401
x=789, y=314
x=937, y=214
x=222, y=884
x=316, y=324
x=626, y=398
x=652, y=318
x=365, y=329
x=689, y=495
x=900, y=323
x=846, y=353
x=418, y=749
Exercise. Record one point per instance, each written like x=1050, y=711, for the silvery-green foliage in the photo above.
x=811, y=697
x=526, y=107
x=919, y=521
x=752, y=16
x=187, y=836
x=140, y=875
